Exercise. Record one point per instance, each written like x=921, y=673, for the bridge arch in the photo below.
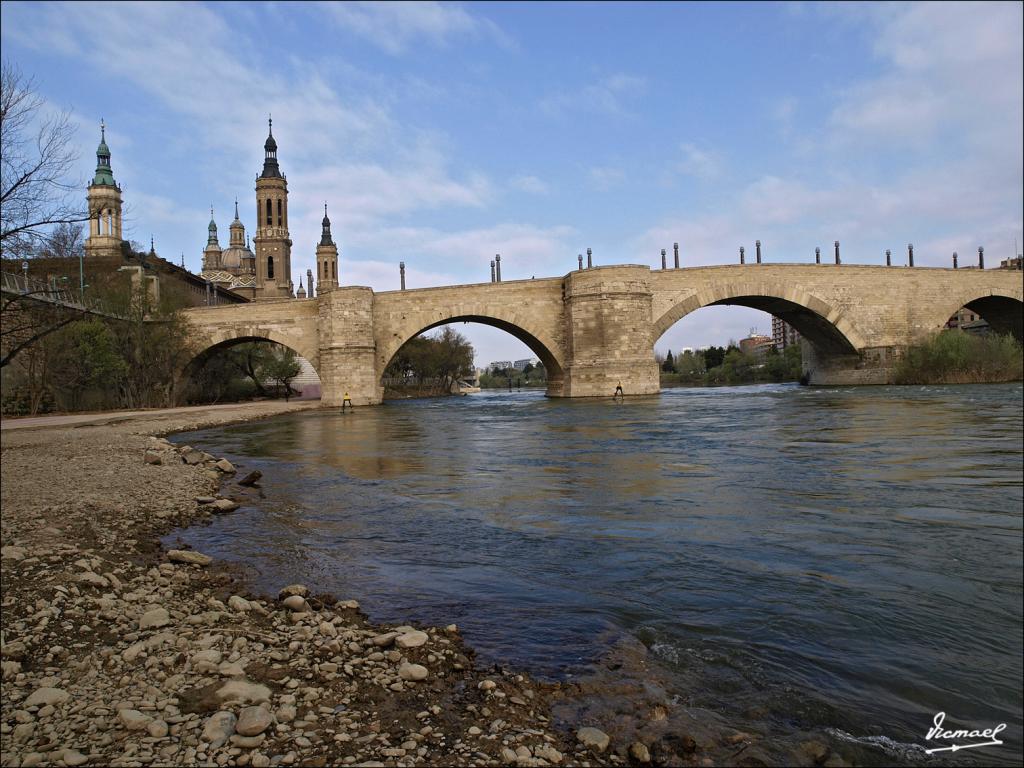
x=539, y=341
x=1002, y=310
x=229, y=337
x=822, y=325
x=211, y=344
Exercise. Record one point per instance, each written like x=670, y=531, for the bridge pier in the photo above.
x=347, y=348
x=607, y=320
x=874, y=365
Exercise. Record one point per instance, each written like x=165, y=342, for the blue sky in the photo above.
x=442, y=134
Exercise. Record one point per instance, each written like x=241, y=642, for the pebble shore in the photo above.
x=118, y=652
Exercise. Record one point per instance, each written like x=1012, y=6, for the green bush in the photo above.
x=956, y=357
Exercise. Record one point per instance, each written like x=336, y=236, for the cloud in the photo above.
x=395, y=26
x=529, y=184
x=701, y=164
x=952, y=71
x=605, y=177
x=609, y=96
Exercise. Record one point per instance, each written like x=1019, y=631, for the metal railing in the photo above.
x=52, y=292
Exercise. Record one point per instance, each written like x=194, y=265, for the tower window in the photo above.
x=334, y=271
x=270, y=211
x=279, y=216
x=270, y=262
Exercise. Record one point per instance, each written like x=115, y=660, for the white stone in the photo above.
x=253, y=721
x=243, y=691
x=12, y=553
x=73, y=757
x=296, y=603
x=224, y=505
x=225, y=466
x=413, y=672
x=412, y=639
x=239, y=604
x=132, y=652
x=328, y=630
x=639, y=752
x=593, y=738
x=44, y=696
x=133, y=720
x=157, y=729
x=156, y=617
x=188, y=556
x=219, y=728
x=92, y=579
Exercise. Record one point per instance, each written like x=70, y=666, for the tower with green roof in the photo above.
x=104, y=200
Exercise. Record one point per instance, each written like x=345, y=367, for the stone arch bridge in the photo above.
x=594, y=328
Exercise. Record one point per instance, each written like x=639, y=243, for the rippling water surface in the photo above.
x=848, y=559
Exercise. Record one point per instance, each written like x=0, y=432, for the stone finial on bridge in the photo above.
x=492, y=270
x=817, y=255
x=888, y=257
x=910, y=254
x=743, y=259
x=675, y=250
x=981, y=257
x=663, y=264
x=590, y=259
x=954, y=260
x=837, y=253
x=309, y=282
x=757, y=245
x=497, y=267
x=579, y=258
x=401, y=273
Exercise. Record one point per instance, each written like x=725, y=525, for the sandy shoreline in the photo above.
x=116, y=652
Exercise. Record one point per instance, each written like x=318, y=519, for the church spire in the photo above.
x=104, y=175
x=212, y=237
x=325, y=237
x=270, y=167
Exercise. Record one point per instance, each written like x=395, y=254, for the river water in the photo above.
x=843, y=560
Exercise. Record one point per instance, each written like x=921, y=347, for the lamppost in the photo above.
x=24, y=267
x=81, y=276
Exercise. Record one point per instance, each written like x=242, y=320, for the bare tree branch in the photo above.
x=36, y=154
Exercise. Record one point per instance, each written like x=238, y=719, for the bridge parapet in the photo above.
x=596, y=328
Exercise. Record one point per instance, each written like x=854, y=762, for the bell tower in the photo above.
x=326, y=257
x=273, y=246
x=104, y=198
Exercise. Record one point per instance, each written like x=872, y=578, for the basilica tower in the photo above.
x=326, y=257
x=273, y=246
x=104, y=198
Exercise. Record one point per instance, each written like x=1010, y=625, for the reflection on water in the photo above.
x=846, y=558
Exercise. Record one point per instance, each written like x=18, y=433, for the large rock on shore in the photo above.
x=156, y=617
x=593, y=738
x=46, y=696
x=219, y=728
x=253, y=721
x=243, y=691
x=190, y=557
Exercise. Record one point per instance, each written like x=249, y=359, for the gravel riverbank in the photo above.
x=116, y=652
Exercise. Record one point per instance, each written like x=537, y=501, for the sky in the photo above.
x=441, y=134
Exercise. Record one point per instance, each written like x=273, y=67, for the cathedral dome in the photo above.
x=231, y=258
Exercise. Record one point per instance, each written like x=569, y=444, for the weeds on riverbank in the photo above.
x=956, y=357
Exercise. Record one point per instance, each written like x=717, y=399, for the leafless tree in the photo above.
x=36, y=155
